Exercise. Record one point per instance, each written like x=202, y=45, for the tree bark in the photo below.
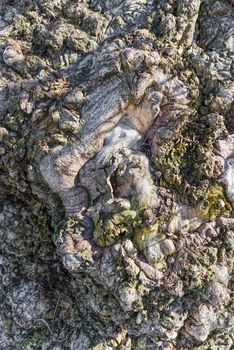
x=116, y=174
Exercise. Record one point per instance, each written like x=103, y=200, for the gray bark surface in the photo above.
x=116, y=174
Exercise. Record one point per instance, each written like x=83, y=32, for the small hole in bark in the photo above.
x=114, y=183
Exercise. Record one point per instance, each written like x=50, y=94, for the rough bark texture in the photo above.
x=116, y=174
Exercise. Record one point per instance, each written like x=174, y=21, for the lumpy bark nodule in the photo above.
x=116, y=174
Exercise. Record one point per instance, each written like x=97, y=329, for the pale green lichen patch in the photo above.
x=215, y=203
x=70, y=226
x=146, y=232
x=112, y=227
x=148, y=238
x=153, y=243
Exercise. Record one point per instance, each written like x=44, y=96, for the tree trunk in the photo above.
x=116, y=174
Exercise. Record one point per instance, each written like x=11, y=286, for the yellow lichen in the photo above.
x=109, y=229
x=215, y=203
x=144, y=233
